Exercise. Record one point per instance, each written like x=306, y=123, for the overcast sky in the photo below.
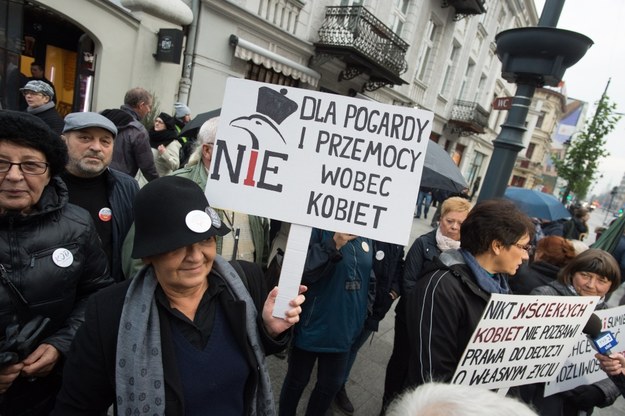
x=604, y=22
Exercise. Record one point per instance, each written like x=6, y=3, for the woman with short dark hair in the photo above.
x=593, y=272
x=446, y=305
x=50, y=263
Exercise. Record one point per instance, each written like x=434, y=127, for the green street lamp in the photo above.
x=531, y=57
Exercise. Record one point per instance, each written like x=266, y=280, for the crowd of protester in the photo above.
x=122, y=286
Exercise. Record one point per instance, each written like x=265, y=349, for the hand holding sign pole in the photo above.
x=320, y=160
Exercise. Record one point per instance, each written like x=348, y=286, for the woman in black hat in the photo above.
x=165, y=144
x=50, y=263
x=188, y=334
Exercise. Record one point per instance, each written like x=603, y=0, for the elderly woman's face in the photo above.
x=159, y=125
x=20, y=191
x=185, y=268
x=590, y=284
x=451, y=222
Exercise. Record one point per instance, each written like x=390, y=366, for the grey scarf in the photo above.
x=41, y=108
x=139, y=379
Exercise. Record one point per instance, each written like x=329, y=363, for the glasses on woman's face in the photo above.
x=29, y=92
x=27, y=168
x=527, y=247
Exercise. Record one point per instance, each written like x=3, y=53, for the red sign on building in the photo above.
x=502, y=103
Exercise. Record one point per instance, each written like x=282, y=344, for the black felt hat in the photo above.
x=172, y=212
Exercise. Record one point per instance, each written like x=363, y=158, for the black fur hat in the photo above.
x=27, y=130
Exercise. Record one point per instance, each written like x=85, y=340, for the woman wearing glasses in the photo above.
x=594, y=272
x=50, y=262
x=446, y=304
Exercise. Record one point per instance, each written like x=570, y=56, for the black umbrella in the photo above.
x=440, y=171
x=192, y=127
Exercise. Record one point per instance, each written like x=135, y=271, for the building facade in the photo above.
x=438, y=55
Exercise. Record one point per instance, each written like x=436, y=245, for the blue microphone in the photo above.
x=602, y=342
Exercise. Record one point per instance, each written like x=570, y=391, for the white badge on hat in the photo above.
x=62, y=257
x=198, y=221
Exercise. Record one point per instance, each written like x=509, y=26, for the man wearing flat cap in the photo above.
x=106, y=193
x=39, y=97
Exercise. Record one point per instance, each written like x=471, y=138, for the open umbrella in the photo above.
x=610, y=238
x=440, y=171
x=192, y=127
x=537, y=204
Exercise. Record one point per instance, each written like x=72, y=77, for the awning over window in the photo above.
x=248, y=51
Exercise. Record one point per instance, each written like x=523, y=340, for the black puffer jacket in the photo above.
x=35, y=251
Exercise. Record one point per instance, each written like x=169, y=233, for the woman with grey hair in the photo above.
x=439, y=399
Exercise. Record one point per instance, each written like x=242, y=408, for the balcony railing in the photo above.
x=466, y=7
x=359, y=38
x=469, y=117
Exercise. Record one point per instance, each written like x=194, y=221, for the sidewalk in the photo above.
x=366, y=382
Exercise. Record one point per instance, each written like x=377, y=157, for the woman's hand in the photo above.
x=8, y=374
x=41, y=361
x=161, y=149
x=613, y=364
x=340, y=239
x=276, y=326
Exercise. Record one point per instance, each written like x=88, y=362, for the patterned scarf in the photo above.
x=139, y=378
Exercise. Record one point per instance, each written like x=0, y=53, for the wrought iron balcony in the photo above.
x=465, y=7
x=468, y=117
x=364, y=43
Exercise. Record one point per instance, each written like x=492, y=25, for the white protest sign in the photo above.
x=323, y=160
x=522, y=339
x=318, y=160
x=581, y=367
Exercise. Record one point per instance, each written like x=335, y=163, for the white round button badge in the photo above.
x=198, y=221
x=62, y=257
x=365, y=246
x=379, y=255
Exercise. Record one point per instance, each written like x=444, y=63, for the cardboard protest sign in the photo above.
x=581, y=367
x=322, y=160
x=522, y=339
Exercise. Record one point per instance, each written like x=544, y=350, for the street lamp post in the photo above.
x=612, y=195
x=531, y=57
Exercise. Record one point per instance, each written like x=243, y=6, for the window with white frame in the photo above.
x=427, y=50
x=351, y=2
x=466, y=80
x=481, y=86
x=450, y=69
x=398, y=18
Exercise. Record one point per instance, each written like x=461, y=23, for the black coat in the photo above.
x=53, y=119
x=443, y=309
x=531, y=276
x=55, y=287
x=89, y=377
